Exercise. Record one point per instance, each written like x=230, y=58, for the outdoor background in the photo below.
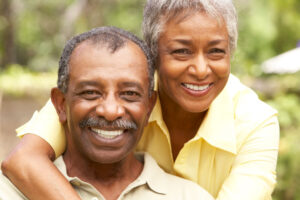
x=33, y=33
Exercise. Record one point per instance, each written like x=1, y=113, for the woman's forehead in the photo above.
x=177, y=17
x=194, y=21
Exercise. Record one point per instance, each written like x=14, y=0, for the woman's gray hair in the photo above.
x=157, y=10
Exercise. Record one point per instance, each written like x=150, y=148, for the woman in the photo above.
x=206, y=125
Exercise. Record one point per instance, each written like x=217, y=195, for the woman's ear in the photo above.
x=58, y=100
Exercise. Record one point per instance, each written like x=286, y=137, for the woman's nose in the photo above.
x=199, y=67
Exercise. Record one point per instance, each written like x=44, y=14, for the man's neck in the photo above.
x=109, y=179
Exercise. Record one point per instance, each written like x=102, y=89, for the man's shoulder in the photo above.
x=186, y=188
x=8, y=191
x=171, y=185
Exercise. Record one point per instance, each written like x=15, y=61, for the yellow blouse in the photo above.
x=232, y=156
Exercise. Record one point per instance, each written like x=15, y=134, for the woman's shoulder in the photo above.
x=252, y=116
x=248, y=108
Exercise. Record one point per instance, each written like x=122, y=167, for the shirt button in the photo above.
x=94, y=198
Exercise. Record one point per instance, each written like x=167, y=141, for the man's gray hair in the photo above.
x=158, y=12
x=111, y=38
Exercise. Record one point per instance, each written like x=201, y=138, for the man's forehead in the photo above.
x=91, y=62
x=87, y=45
x=106, y=47
x=134, y=52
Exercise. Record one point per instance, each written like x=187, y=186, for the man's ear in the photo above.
x=58, y=100
x=152, y=101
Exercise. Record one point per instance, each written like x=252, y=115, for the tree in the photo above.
x=8, y=38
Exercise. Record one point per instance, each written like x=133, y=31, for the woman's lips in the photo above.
x=196, y=89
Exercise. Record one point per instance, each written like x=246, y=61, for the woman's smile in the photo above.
x=197, y=89
x=194, y=61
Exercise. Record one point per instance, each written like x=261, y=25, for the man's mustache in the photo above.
x=100, y=122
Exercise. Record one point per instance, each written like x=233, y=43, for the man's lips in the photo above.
x=107, y=134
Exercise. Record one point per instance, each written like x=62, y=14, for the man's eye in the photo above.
x=90, y=94
x=131, y=95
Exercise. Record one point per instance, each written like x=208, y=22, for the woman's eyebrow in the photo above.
x=183, y=41
x=214, y=42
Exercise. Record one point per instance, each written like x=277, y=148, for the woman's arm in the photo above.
x=30, y=168
x=253, y=175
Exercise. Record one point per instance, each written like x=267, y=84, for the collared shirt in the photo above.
x=233, y=155
x=152, y=184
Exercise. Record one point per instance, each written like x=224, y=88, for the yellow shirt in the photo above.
x=232, y=156
x=152, y=184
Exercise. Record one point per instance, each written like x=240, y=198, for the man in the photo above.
x=103, y=99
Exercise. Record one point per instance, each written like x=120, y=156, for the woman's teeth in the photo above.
x=195, y=87
x=107, y=134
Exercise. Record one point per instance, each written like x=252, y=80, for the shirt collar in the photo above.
x=217, y=127
x=61, y=166
x=156, y=117
x=152, y=174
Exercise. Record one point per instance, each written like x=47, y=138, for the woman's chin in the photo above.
x=195, y=108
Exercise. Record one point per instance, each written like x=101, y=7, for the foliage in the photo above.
x=268, y=28
x=18, y=81
x=287, y=102
x=41, y=28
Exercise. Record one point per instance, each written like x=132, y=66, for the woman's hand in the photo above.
x=29, y=167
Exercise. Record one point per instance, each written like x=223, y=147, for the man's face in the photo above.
x=107, y=103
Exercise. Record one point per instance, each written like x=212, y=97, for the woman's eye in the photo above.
x=216, y=54
x=217, y=50
x=181, y=51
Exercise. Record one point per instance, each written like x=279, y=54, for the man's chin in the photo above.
x=107, y=156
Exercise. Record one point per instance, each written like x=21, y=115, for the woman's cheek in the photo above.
x=221, y=68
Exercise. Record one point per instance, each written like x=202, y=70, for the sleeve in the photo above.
x=8, y=191
x=45, y=124
x=253, y=175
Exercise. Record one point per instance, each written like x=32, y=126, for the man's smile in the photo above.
x=108, y=134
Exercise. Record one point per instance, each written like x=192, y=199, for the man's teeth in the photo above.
x=107, y=134
x=196, y=87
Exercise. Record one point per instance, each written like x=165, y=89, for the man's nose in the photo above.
x=199, y=67
x=110, y=108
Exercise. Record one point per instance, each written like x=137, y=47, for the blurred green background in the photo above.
x=32, y=35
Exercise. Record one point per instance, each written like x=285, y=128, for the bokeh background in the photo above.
x=33, y=33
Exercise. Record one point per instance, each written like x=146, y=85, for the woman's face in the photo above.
x=193, y=62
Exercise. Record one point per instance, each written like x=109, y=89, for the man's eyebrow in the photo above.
x=131, y=84
x=87, y=83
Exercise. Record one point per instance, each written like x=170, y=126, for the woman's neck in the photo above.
x=182, y=125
